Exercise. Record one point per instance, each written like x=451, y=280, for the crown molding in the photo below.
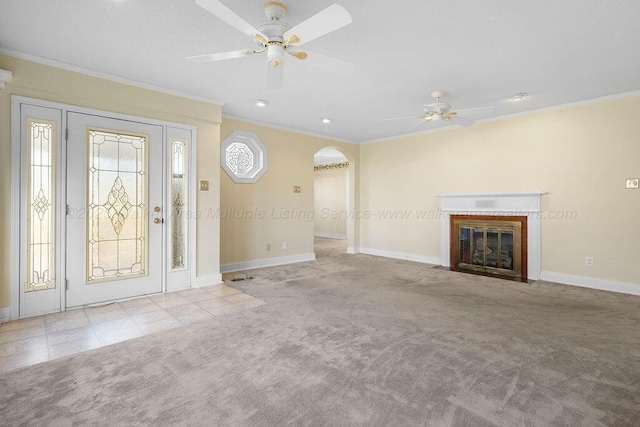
x=117, y=79
x=105, y=76
x=576, y=104
x=406, y=135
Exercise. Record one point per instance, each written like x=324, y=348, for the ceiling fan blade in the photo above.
x=229, y=16
x=461, y=121
x=221, y=56
x=404, y=118
x=329, y=63
x=473, y=110
x=275, y=76
x=423, y=122
x=330, y=19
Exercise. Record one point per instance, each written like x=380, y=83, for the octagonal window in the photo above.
x=244, y=157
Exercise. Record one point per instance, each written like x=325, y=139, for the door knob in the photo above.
x=157, y=220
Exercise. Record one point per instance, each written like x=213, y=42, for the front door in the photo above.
x=114, y=193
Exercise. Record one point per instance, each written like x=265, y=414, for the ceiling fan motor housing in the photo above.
x=439, y=107
x=274, y=28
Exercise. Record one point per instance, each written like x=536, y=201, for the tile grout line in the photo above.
x=11, y=359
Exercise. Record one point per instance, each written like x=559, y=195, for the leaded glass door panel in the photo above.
x=115, y=209
x=40, y=148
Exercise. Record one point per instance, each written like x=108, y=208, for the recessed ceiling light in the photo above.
x=326, y=120
x=519, y=96
x=261, y=103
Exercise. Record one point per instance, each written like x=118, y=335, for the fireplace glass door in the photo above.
x=488, y=246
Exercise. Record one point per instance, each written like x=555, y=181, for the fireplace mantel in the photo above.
x=503, y=194
x=504, y=204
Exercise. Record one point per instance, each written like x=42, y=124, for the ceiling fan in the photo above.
x=277, y=38
x=440, y=110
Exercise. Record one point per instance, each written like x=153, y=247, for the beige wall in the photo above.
x=269, y=212
x=580, y=156
x=53, y=84
x=330, y=202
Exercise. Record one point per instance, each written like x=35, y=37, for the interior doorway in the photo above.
x=331, y=197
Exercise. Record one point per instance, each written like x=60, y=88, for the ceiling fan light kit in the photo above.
x=276, y=37
x=275, y=54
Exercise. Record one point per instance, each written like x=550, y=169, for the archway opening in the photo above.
x=332, y=196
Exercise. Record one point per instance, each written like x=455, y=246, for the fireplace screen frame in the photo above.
x=515, y=224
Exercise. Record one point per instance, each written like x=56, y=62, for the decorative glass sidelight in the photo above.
x=117, y=206
x=41, y=235
x=179, y=200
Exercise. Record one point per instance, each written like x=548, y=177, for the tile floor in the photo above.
x=39, y=339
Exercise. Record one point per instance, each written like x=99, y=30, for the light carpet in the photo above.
x=360, y=340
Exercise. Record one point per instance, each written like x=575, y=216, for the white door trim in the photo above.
x=16, y=102
x=14, y=273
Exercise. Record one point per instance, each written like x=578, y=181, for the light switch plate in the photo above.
x=204, y=185
x=633, y=183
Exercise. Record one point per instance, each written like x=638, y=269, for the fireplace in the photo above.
x=496, y=217
x=489, y=244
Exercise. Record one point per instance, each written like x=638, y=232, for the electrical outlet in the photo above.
x=297, y=189
x=588, y=261
x=284, y=246
x=268, y=247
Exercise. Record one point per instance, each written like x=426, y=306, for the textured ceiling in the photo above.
x=481, y=52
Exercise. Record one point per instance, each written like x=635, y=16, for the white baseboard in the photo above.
x=330, y=235
x=401, y=255
x=269, y=262
x=5, y=314
x=208, y=280
x=592, y=283
x=351, y=250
